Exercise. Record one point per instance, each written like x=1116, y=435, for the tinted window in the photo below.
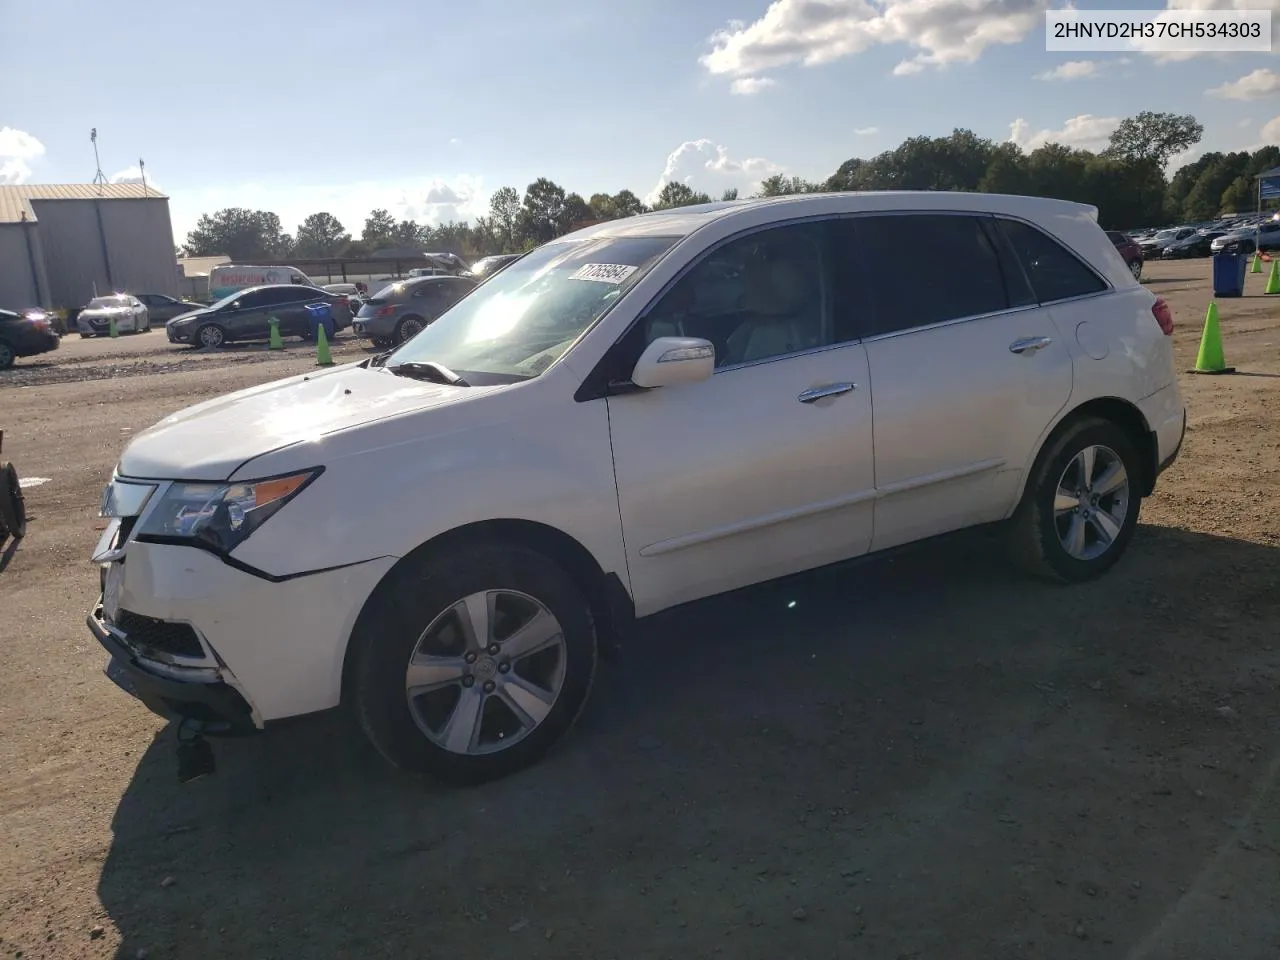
x=883, y=288
x=762, y=296
x=427, y=291
x=253, y=299
x=1054, y=271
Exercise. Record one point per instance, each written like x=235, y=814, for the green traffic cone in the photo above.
x=1257, y=263
x=1273, y=281
x=1210, y=359
x=275, y=342
x=323, y=357
x=111, y=328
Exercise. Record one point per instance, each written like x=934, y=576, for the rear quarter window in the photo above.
x=1054, y=271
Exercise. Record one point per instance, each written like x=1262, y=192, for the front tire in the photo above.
x=1135, y=267
x=210, y=335
x=1081, y=504
x=471, y=666
x=7, y=355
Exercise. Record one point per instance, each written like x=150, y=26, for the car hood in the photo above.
x=212, y=440
x=190, y=315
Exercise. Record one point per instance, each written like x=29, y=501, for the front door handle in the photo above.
x=827, y=390
x=1029, y=344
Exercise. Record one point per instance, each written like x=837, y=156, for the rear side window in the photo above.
x=1054, y=271
x=883, y=289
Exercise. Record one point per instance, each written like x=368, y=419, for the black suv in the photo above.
x=25, y=335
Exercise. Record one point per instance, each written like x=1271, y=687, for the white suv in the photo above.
x=640, y=414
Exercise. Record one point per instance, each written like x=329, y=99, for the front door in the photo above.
x=765, y=469
x=968, y=369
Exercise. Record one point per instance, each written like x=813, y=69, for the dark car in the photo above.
x=25, y=335
x=1129, y=250
x=163, y=308
x=246, y=315
x=1198, y=245
x=399, y=311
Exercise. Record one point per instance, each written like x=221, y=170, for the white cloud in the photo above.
x=1271, y=132
x=133, y=175
x=1084, y=132
x=1246, y=122
x=454, y=141
x=17, y=148
x=1252, y=86
x=1071, y=70
x=865, y=131
x=813, y=32
x=746, y=86
x=690, y=163
x=1165, y=56
x=428, y=200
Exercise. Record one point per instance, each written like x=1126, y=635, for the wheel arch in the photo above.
x=611, y=605
x=1126, y=415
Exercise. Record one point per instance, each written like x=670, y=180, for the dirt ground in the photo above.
x=923, y=757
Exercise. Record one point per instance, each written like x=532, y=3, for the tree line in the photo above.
x=1125, y=181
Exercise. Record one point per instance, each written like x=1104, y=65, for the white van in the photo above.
x=228, y=278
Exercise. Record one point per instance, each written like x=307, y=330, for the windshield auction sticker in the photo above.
x=603, y=272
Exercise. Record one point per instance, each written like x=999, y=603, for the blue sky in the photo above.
x=427, y=108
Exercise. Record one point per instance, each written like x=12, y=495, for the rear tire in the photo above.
x=1071, y=527
x=13, y=509
x=7, y=355
x=420, y=615
x=1135, y=267
x=409, y=327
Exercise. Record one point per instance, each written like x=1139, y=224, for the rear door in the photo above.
x=289, y=306
x=966, y=369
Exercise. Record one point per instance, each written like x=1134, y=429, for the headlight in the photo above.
x=220, y=516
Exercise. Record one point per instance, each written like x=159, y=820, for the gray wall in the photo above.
x=17, y=285
x=138, y=255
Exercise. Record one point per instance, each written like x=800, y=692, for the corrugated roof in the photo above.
x=15, y=200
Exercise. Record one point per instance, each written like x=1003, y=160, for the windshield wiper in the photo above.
x=427, y=370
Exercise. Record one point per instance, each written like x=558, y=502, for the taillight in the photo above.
x=1164, y=316
x=385, y=311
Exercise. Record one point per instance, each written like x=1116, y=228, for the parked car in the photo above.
x=582, y=441
x=1129, y=251
x=246, y=315
x=1154, y=245
x=129, y=313
x=399, y=311
x=1199, y=244
x=1263, y=237
x=25, y=333
x=486, y=267
x=162, y=308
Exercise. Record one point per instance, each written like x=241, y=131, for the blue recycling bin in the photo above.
x=317, y=314
x=1228, y=274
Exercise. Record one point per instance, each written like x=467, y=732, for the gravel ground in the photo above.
x=911, y=758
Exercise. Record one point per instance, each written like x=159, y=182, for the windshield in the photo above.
x=516, y=325
x=98, y=302
x=1165, y=234
x=391, y=291
x=229, y=298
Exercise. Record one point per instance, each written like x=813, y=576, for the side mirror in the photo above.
x=669, y=361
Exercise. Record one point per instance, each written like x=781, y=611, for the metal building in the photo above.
x=63, y=243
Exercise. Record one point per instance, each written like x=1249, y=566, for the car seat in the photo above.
x=783, y=298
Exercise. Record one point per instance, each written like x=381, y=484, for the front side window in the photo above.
x=757, y=297
x=523, y=320
x=1054, y=271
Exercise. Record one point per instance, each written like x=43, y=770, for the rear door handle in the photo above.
x=1029, y=344
x=827, y=390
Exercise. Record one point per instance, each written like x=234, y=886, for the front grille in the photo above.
x=159, y=636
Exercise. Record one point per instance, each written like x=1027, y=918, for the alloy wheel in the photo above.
x=486, y=672
x=1091, y=502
